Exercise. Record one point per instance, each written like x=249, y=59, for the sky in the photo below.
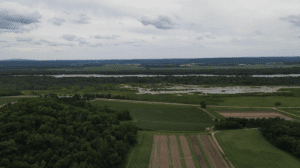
x=156, y=29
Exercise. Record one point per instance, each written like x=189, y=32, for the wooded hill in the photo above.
x=51, y=132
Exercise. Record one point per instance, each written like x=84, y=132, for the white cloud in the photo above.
x=170, y=28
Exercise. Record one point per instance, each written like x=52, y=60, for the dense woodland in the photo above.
x=179, y=71
x=66, y=132
x=278, y=131
x=10, y=85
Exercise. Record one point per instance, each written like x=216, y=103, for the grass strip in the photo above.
x=203, y=153
x=141, y=157
x=224, y=157
x=170, y=153
x=192, y=152
x=183, y=164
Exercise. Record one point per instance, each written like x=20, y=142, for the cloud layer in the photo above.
x=91, y=29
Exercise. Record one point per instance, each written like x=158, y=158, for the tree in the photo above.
x=203, y=104
x=277, y=104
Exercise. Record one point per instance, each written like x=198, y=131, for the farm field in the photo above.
x=260, y=101
x=253, y=114
x=295, y=111
x=140, y=154
x=101, y=68
x=163, y=117
x=7, y=100
x=166, y=150
x=248, y=148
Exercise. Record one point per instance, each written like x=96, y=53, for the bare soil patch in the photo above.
x=175, y=152
x=155, y=158
x=200, y=158
x=186, y=152
x=217, y=143
x=163, y=152
x=214, y=157
x=253, y=114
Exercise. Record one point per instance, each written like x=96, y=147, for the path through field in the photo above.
x=163, y=152
x=214, y=157
x=187, y=153
x=200, y=158
x=175, y=152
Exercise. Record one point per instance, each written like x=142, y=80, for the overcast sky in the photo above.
x=156, y=29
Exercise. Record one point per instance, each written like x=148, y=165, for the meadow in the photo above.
x=100, y=68
x=139, y=155
x=295, y=111
x=4, y=100
x=163, y=117
x=248, y=148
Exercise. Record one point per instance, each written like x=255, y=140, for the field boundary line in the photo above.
x=207, y=112
x=202, y=151
x=287, y=113
x=216, y=142
x=220, y=148
x=137, y=101
x=188, y=157
x=182, y=160
x=141, y=140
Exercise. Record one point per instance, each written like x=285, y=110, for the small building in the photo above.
x=207, y=128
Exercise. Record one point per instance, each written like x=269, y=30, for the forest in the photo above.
x=179, y=71
x=64, y=132
x=278, y=131
x=12, y=85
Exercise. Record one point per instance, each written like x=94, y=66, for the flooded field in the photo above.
x=211, y=90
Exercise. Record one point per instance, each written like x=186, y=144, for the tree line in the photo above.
x=67, y=132
x=179, y=71
x=11, y=85
x=281, y=133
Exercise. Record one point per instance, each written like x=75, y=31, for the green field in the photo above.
x=139, y=155
x=260, y=101
x=292, y=111
x=101, y=68
x=7, y=100
x=248, y=148
x=163, y=117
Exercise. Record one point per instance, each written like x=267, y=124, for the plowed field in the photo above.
x=214, y=157
x=253, y=114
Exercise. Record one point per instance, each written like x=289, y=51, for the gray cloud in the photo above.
x=236, y=40
x=210, y=36
x=199, y=37
x=82, y=19
x=57, y=21
x=52, y=43
x=293, y=19
x=258, y=32
x=161, y=22
x=69, y=37
x=13, y=20
x=106, y=37
x=28, y=39
x=95, y=45
x=82, y=41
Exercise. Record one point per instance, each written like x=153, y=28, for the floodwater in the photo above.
x=212, y=90
x=118, y=76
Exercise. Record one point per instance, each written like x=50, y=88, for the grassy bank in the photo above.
x=248, y=148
